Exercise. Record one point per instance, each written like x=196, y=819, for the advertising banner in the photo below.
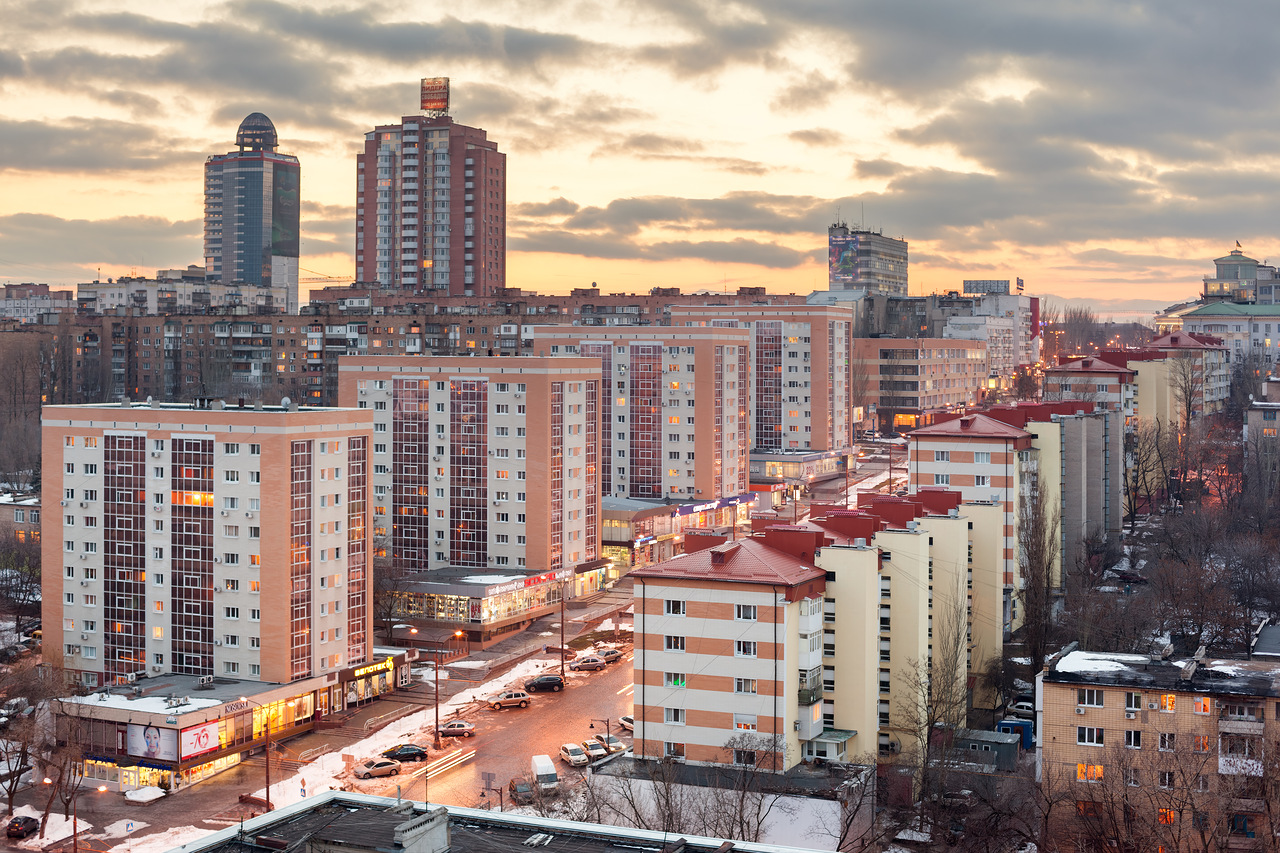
x=842, y=259
x=200, y=739
x=435, y=94
x=152, y=742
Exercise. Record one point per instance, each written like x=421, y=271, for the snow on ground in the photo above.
x=58, y=828
x=122, y=828
x=143, y=795
x=607, y=625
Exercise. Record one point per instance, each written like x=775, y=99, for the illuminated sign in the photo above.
x=144, y=741
x=435, y=94
x=388, y=665
x=525, y=583
x=198, y=740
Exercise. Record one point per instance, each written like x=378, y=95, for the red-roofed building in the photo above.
x=1093, y=380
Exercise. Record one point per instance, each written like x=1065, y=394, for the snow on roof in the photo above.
x=488, y=579
x=144, y=704
x=1099, y=662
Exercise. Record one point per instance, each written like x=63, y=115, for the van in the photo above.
x=544, y=774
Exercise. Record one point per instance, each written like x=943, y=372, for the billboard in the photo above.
x=285, y=209
x=152, y=742
x=435, y=94
x=200, y=739
x=842, y=261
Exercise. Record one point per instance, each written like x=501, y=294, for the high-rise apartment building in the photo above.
x=801, y=358
x=481, y=463
x=913, y=381
x=251, y=216
x=862, y=259
x=431, y=200
x=180, y=526
x=675, y=415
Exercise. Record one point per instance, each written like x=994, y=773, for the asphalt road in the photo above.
x=506, y=740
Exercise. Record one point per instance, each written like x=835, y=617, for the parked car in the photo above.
x=572, y=754
x=458, y=728
x=520, y=791
x=507, y=698
x=406, y=752
x=554, y=683
x=21, y=827
x=611, y=743
x=377, y=767
x=1023, y=708
x=628, y=722
x=609, y=655
x=594, y=749
x=955, y=799
x=590, y=662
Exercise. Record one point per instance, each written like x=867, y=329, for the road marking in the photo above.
x=625, y=689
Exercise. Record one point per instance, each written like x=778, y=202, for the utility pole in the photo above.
x=562, y=587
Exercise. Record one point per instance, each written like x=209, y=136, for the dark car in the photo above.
x=520, y=791
x=21, y=827
x=406, y=752
x=554, y=683
x=609, y=655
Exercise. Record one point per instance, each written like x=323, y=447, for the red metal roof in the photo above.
x=970, y=426
x=743, y=561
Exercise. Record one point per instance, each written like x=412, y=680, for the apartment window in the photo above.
x=230, y=666
x=232, y=585
x=673, y=679
x=231, y=612
x=1088, y=772
x=255, y=642
x=673, y=750
x=1167, y=741
x=1089, y=697
x=744, y=722
x=744, y=648
x=255, y=450
x=942, y=456
x=255, y=615
x=981, y=480
x=942, y=479
x=744, y=757
x=1167, y=701
x=673, y=716
x=230, y=476
x=1167, y=815
x=982, y=457
x=1133, y=739
x=1200, y=743
x=1131, y=777
x=1089, y=736
x=1133, y=701
x=232, y=640
x=1200, y=705
x=673, y=643
x=231, y=449
x=744, y=685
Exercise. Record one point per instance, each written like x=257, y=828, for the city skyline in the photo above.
x=1064, y=147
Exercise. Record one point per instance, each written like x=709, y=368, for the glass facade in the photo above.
x=191, y=546
x=300, y=485
x=768, y=385
x=357, y=547
x=644, y=413
x=469, y=473
x=123, y=562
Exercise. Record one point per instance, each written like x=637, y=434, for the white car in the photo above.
x=1023, y=709
x=628, y=722
x=574, y=755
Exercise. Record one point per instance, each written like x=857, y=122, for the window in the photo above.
x=231, y=612
x=981, y=480
x=982, y=457
x=673, y=607
x=942, y=479
x=673, y=750
x=1167, y=701
x=673, y=643
x=230, y=476
x=1167, y=741
x=1167, y=815
x=673, y=716
x=744, y=612
x=673, y=679
x=1089, y=697
x=1131, y=777
x=1088, y=772
x=942, y=456
x=744, y=757
x=1200, y=705
x=1166, y=778
x=744, y=685
x=744, y=722
x=1133, y=701
x=1133, y=739
x=1200, y=743
x=230, y=666
x=1089, y=735
x=744, y=648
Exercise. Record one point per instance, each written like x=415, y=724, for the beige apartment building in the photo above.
x=1092, y=380
x=1157, y=753
x=675, y=415
x=913, y=381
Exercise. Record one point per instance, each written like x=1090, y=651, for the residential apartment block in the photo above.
x=801, y=354
x=1168, y=754
x=179, y=526
x=481, y=463
x=675, y=419
x=912, y=381
x=1094, y=380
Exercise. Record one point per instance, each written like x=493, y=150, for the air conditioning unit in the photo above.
x=217, y=642
x=83, y=504
x=364, y=391
x=518, y=395
x=382, y=497
x=217, y=559
x=248, y=515
x=156, y=668
x=84, y=583
x=83, y=557
x=225, y=513
x=84, y=636
x=435, y=458
x=217, y=588
x=1129, y=715
x=63, y=503
x=1153, y=706
x=158, y=507
x=155, y=454
x=131, y=677
x=1079, y=710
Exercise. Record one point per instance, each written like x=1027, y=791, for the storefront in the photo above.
x=640, y=533
x=485, y=606
x=173, y=731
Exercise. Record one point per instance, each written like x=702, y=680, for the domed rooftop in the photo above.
x=256, y=133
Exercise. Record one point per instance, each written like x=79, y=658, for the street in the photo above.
x=506, y=740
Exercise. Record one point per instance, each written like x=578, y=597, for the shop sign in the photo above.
x=382, y=665
x=200, y=739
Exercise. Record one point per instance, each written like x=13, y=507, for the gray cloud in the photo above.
x=70, y=248
x=812, y=91
x=818, y=137
x=556, y=207
x=739, y=251
x=82, y=144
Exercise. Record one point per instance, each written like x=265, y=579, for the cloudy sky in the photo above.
x=1103, y=151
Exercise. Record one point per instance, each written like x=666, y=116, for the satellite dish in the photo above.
x=286, y=402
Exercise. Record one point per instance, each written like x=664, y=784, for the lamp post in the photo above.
x=608, y=732
x=75, y=813
x=436, y=661
x=266, y=750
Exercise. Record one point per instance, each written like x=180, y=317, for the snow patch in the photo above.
x=143, y=795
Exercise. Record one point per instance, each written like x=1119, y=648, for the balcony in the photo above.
x=1239, y=765
x=809, y=695
x=1239, y=726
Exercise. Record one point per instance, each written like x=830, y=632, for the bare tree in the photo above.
x=1186, y=382
x=1038, y=553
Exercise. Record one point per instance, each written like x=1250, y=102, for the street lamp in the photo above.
x=266, y=750
x=607, y=731
x=436, y=660
x=75, y=813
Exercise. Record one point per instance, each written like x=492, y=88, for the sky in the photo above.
x=1105, y=152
